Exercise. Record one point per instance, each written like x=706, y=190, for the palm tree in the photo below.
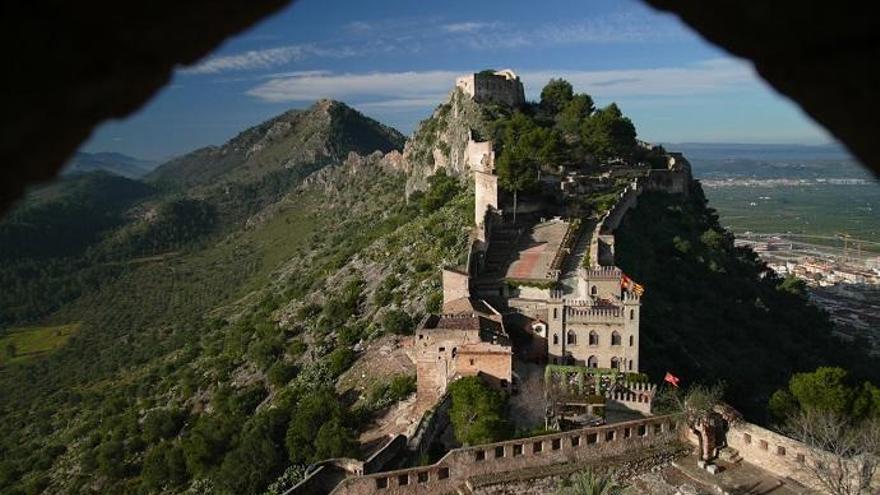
x=590, y=483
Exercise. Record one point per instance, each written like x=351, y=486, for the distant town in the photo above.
x=842, y=280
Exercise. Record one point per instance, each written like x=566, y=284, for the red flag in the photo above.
x=671, y=379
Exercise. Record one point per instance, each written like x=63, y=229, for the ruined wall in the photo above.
x=495, y=367
x=676, y=179
x=458, y=465
x=455, y=285
x=485, y=197
x=316, y=482
x=385, y=454
x=480, y=156
x=432, y=424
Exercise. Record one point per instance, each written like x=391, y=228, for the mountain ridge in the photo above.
x=109, y=161
x=313, y=137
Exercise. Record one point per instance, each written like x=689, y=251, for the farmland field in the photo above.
x=26, y=343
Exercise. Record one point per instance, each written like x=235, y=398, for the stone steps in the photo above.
x=730, y=454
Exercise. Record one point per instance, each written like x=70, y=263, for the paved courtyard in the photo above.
x=536, y=250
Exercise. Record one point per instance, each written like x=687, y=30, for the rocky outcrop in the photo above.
x=441, y=140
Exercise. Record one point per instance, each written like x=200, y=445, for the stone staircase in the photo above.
x=729, y=454
x=574, y=260
x=502, y=248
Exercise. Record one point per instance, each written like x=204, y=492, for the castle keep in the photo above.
x=501, y=86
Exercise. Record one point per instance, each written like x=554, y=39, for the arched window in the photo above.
x=632, y=314
x=555, y=339
x=631, y=340
x=615, y=363
x=594, y=338
x=592, y=362
x=630, y=364
x=594, y=290
x=571, y=338
x=615, y=338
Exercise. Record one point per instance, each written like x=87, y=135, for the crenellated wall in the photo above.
x=458, y=465
x=675, y=179
x=632, y=397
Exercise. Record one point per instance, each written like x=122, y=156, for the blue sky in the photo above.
x=396, y=60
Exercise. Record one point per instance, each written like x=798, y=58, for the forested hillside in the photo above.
x=714, y=312
x=216, y=319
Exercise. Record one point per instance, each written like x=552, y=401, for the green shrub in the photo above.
x=478, y=412
x=340, y=360
x=109, y=459
x=397, y=322
x=296, y=348
x=164, y=466
x=162, y=423
x=205, y=444
x=281, y=373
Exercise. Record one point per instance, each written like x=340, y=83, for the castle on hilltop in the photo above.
x=557, y=275
x=501, y=86
x=541, y=290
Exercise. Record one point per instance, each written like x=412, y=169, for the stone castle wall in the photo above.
x=458, y=465
x=674, y=180
x=781, y=455
x=502, y=87
x=456, y=285
x=485, y=197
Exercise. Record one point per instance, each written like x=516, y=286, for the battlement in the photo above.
x=461, y=464
x=601, y=273
x=634, y=396
x=593, y=315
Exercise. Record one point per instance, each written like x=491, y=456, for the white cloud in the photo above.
x=264, y=59
x=710, y=76
x=409, y=35
x=389, y=86
x=428, y=88
x=254, y=59
x=467, y=27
